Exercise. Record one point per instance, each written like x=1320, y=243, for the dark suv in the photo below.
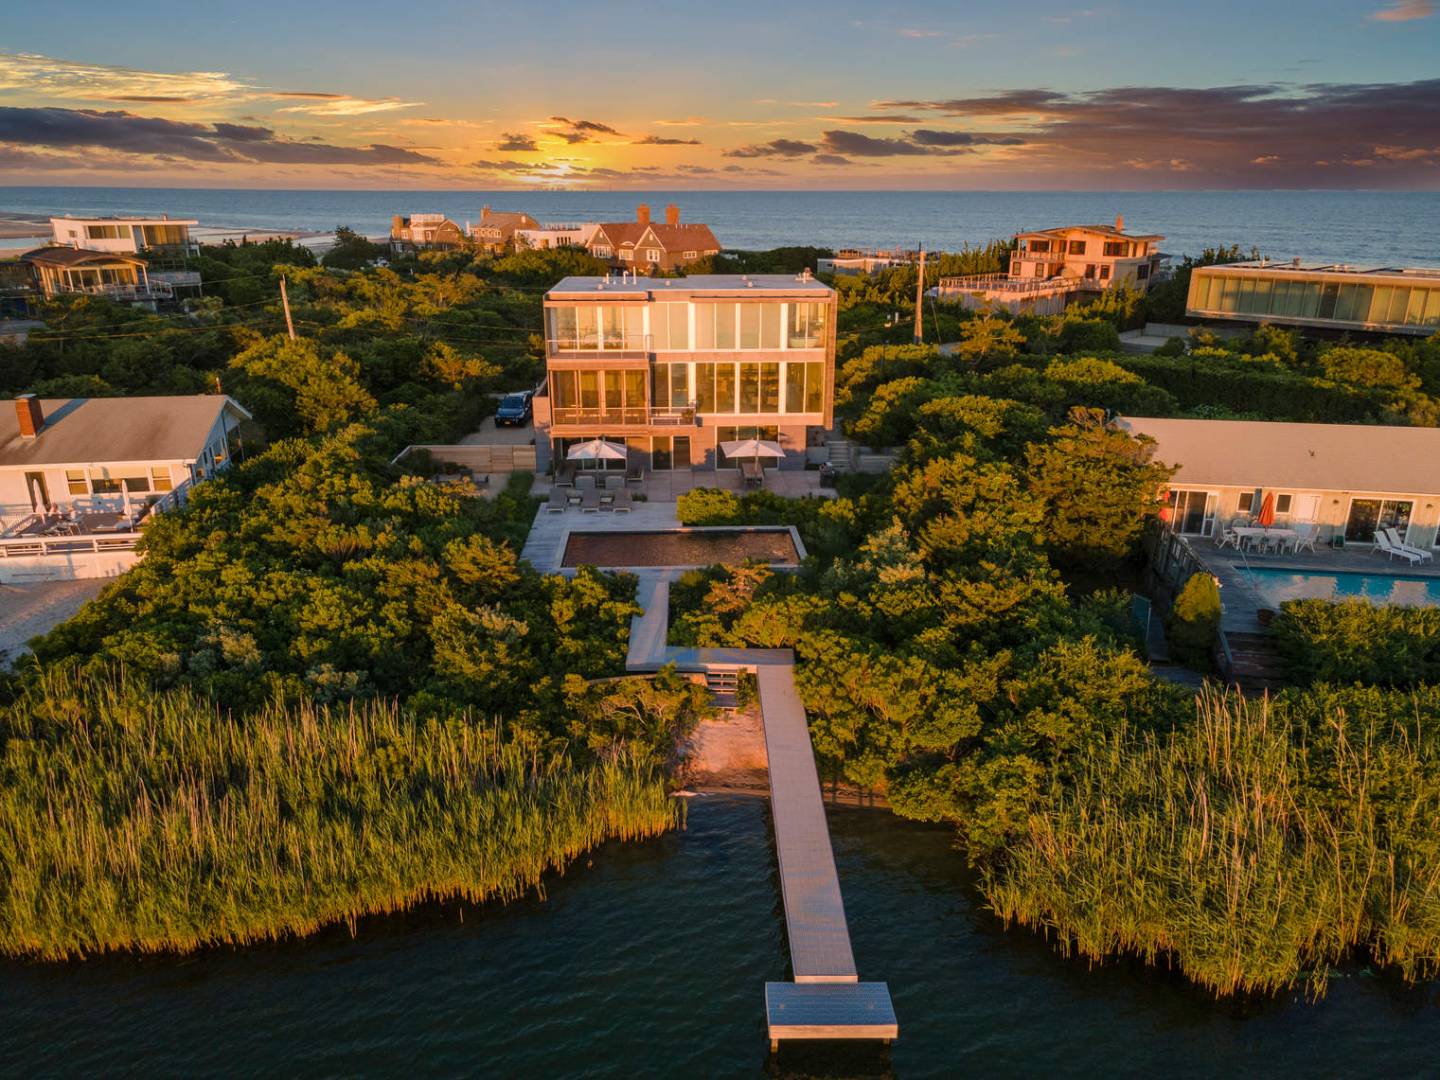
x=515, y=410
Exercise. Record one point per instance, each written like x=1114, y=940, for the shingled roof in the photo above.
x=83, y=431
x=68, y=256
x=669, y=237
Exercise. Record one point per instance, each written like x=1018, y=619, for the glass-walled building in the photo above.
x=1379, y=300
x=672, y=368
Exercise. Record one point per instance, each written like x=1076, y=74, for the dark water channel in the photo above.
x=649, y=961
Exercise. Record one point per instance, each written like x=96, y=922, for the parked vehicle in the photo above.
x=515, y=410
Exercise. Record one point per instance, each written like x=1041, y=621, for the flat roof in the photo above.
x=1315, y=457
x=117, y=220
x=83, y=431
x=1299, y=266
x=661, y=288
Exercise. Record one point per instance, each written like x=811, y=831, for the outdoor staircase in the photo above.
x=1254, y=665
x=724, y=687
x=842, y=453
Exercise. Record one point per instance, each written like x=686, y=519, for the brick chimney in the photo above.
x=396, y=223
x=642, y=214
x=30, y=415
x=1119, y=223
x=672, y=214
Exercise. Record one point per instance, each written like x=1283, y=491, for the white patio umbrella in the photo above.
x=752, y=448
x=596, y=450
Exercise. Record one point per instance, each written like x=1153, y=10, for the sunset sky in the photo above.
x=618, y=94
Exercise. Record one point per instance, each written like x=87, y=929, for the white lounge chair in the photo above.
x=1393, y=536
x=1228, y=538
x=559, y=501
x=1383, y=543
x=1305, y=537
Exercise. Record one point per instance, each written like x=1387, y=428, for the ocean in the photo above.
x=1389, y=228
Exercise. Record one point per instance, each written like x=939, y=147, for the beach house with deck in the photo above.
x=673, y=368
x=1329, y=482
x=1050, y=268
x=79, y=477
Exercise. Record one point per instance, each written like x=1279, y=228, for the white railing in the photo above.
x=1001, y=283
x=154, y=290
x=29, y=547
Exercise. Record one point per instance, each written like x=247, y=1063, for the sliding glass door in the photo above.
x=1368, y=515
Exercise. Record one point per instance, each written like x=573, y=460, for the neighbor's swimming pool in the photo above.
x=1277, y=586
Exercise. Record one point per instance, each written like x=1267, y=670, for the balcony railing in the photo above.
x=638, y=415
x=153, y=290
x=1000, y=283
x=96, y=544
x=608, y=345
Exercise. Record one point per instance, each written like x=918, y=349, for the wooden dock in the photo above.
x=826, y=999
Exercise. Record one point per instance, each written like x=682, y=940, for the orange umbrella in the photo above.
x=1267, y=511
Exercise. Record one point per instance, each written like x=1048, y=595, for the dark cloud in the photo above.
x=774, y=148
x=512, y=142
x=854, y=144
x=661, y=140
x=129, y=133
x=1315, y=135
x=149, y=99
x=831, y=159
x=307, y=94
x=580, y=131
x=884, y=118
x=929, y=137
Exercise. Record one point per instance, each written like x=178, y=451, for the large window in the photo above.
x=1336, y=301
x=597, y=326
x=1114, y=248
x=1077, y=247
x=1368, y=515
x=807, y=325
x=670, y=326
x=590, y=396
x=107, y=232
x=1192, y=512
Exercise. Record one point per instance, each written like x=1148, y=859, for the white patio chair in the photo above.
x=1227, y=538
x=1393, y=535
x=1305, y=537
x=1383, y=543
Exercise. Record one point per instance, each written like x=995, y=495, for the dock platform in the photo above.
x=826, y=999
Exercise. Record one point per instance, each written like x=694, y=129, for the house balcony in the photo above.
x=122, y=291
x=1002, y=284
x=591, y=417
x=610, y=347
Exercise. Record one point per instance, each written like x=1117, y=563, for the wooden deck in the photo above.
x=826, y=999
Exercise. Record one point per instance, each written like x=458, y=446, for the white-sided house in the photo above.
x=1347, y=479
x=80, y=476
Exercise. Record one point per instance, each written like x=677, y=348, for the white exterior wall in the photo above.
x=1331, y=509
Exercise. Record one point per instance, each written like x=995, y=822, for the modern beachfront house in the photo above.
x=137, y=260
x=648, y=247
x=1328, y=296
x=1051, y=267
x=79, y=476
x=125, y=235
x=674, y=367
x=864, y=263
x=1346, y=480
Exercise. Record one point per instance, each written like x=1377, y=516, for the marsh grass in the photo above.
x=137, y=820
x=1254, y=849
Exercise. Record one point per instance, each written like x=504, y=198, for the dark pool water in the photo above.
x=700, y=547
x=649, y=961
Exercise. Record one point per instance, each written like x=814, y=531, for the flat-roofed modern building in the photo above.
x=1380, y=299
x=125, y=235
x=1347, y=480
x=673, y=367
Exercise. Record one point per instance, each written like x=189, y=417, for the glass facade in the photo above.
x=1363, y=303
x=742, y=387
x=718, y=325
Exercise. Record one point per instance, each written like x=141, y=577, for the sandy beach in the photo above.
x=27, y=611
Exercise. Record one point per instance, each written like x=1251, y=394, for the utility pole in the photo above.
x=285, y=299
x=920, y=300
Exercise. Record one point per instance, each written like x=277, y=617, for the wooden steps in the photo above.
x=1255, y=664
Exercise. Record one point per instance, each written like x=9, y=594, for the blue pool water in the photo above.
x=1277, y=586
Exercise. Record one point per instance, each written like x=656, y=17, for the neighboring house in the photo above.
x=496, y=229
x=1347, y=479
x=1340, y=297
x=60, y=270
x=674, y=367
x=418, y=232
x=865, y=263
x=647, y=247
x=555, y=236
x=1050, y=267
x=125, y=235
x=79, y=475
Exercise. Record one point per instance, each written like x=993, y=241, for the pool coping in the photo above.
x=560, y=568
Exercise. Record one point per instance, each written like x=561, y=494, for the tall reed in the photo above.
x=1254, y=849
x=131, y=819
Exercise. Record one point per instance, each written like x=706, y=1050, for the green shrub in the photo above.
x=708, y=506
x=1173, y=347
x=1356, y=641
x=1194, y=620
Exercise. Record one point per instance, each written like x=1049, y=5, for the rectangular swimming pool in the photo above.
x=693, y=547
x=1276, y=586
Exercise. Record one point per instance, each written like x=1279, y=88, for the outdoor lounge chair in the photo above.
x=585, y=481
x=1393, y=535
x=635, y=474
x=752, y=473
x=1382, y=543
x=559, y=502
x=589, y=501
x=623, y=503
x=613, y=481
x=1305, y=537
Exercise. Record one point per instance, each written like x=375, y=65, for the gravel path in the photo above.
x=27, y=611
